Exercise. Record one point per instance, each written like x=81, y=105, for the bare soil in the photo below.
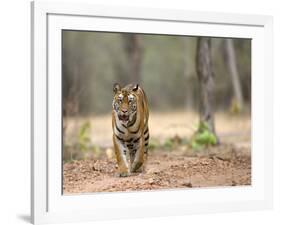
x=224, y=165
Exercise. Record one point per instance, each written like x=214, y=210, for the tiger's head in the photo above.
x=125, y=103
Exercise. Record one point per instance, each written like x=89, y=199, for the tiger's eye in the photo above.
x=120, y=98
x=130, y=98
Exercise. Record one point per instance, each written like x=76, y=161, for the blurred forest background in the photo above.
x=167, y=68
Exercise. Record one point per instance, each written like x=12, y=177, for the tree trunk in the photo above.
x=233, y=71
x=133, y=48
x=71, y=101
x=205, y=77
x=187, y=72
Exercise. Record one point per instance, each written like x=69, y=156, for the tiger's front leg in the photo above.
x=139, y=157
x=120, y=153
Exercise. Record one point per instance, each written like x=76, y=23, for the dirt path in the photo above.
x=165, y=170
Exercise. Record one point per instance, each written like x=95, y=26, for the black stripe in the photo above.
x=146, y=131
x=134, y=132
x=136, y=140
x=146, y=138
x=146, y=144
x=133, y=121
x=120, y=139
x=124, y=125
x=130, y=145
x=120, y=131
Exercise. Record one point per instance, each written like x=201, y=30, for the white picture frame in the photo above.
x=48, y=205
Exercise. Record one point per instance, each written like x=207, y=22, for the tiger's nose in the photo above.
x=124, y=110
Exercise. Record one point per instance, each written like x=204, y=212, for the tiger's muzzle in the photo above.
x=123, y=117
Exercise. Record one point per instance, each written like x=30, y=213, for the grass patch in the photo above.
x=203, y=137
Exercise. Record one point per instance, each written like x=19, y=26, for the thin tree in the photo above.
x=133, y=49
x=233, y=71
x=205, y=77
x=186, y=70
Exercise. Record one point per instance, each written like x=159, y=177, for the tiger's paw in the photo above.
x=124, y=174
x=137, y=167
x=139, y=170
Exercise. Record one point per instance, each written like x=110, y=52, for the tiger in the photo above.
x=130, y=128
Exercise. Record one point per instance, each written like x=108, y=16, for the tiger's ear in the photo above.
x=116, y=87
x=135, y=88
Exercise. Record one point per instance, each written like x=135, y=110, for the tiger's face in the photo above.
x=125, y=103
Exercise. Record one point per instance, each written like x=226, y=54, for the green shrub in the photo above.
x=84, y=139
x=203, y=137
x=168, y=144
x=153, y=144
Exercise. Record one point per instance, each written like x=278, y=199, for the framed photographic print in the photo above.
x=142, y=112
